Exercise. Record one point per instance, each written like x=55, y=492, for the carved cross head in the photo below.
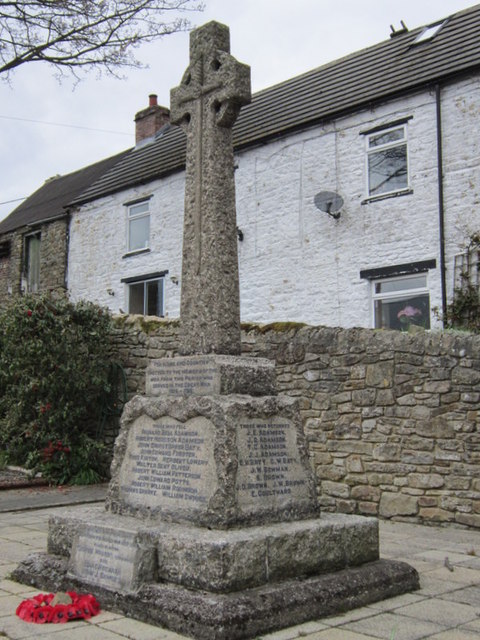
x=213, y=81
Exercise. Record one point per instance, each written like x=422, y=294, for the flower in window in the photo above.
x=408, y=313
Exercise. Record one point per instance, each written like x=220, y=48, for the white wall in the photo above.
x=296, y=262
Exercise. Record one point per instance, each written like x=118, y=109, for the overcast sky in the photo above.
x=277, y=38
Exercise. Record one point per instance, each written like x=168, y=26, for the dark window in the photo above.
x=5, y=249
x=32, y=263
x=145, y=297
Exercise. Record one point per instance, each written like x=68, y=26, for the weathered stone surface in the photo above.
x=436, y=515
x=210, y=375
x=214, y=560
x=426, y=480
x=380, y=375
x=111, y=557
x=469, y=519
x=206, y=105
x=428, y=437
x=212, y=460
x=397, y=504
x=239, y=615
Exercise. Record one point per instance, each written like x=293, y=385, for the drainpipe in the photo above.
x=441, y=207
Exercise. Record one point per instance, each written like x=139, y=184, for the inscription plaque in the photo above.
x=167, y=464
x=269, y=467
x=192, y=376
x=105, y=557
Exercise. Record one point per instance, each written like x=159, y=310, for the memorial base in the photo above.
x=211, y=525
x=214, y=584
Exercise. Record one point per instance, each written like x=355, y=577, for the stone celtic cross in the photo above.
x=206, y=105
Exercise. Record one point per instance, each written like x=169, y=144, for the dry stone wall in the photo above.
x=392, y=418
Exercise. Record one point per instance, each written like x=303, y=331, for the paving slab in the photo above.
x=456, y=634
x=441, y=611
x=391, y=625
x=467, y=595
x=45, y=497
x=445, y=608
x=340, y=634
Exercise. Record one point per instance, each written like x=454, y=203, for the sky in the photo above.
x=279, y=39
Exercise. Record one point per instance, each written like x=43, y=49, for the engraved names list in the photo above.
x=166, y=463
x=269, y=468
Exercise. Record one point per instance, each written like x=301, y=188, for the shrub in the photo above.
x=54, y=361
x=464, y=310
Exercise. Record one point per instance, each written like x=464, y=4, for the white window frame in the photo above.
x=370, y=151
x=401, y=294
x=145, y=282
x=135, y=212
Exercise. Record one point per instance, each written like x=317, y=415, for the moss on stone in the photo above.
x=279, y=327
x=146, y=324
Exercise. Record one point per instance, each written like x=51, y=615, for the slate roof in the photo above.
x=48, y=202
x=382, y=71
x=388, y=69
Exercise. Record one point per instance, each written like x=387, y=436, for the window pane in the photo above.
x=155, y=298
x=138, y=209
x=33, y=263
x=429, y=32
x=139, y=231
x=400, y=314
x=402, y=284
x=146, y=297
x=136, y=298
x=386, y=137
x=387, y=170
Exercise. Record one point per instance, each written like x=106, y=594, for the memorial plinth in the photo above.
x=211, y=525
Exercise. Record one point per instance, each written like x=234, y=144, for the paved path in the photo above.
x=44, y=497
x=447, y=607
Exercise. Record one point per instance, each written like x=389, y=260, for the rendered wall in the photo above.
x=296, y=262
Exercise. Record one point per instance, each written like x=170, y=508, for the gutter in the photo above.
x=441, y=203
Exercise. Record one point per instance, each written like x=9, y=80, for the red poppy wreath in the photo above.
x=60, y=607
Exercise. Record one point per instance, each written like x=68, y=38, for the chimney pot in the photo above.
x=150, y=120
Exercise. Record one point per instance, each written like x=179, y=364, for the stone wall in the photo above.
x=53, y=259
x=392, y=418
x=11, y=267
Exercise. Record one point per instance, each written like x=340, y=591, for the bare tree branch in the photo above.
x=74, y=34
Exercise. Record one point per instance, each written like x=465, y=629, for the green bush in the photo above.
x=54, y=362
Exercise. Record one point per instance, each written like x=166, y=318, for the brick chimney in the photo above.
x=150, y=120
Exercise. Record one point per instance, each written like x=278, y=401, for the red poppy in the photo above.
x=29, y=313
x=39, y=610
x=41, y=615
x=60, y=613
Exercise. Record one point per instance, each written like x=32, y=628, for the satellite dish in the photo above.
x=330, y=202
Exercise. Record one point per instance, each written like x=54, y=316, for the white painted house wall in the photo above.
x=296, y=262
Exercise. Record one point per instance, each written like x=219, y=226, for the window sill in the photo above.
x=385, y=196
x=136, y=253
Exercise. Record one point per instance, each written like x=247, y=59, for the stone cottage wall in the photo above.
x=53, y=256
x=10, y=267
x=53, y=259
x=392, y=418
